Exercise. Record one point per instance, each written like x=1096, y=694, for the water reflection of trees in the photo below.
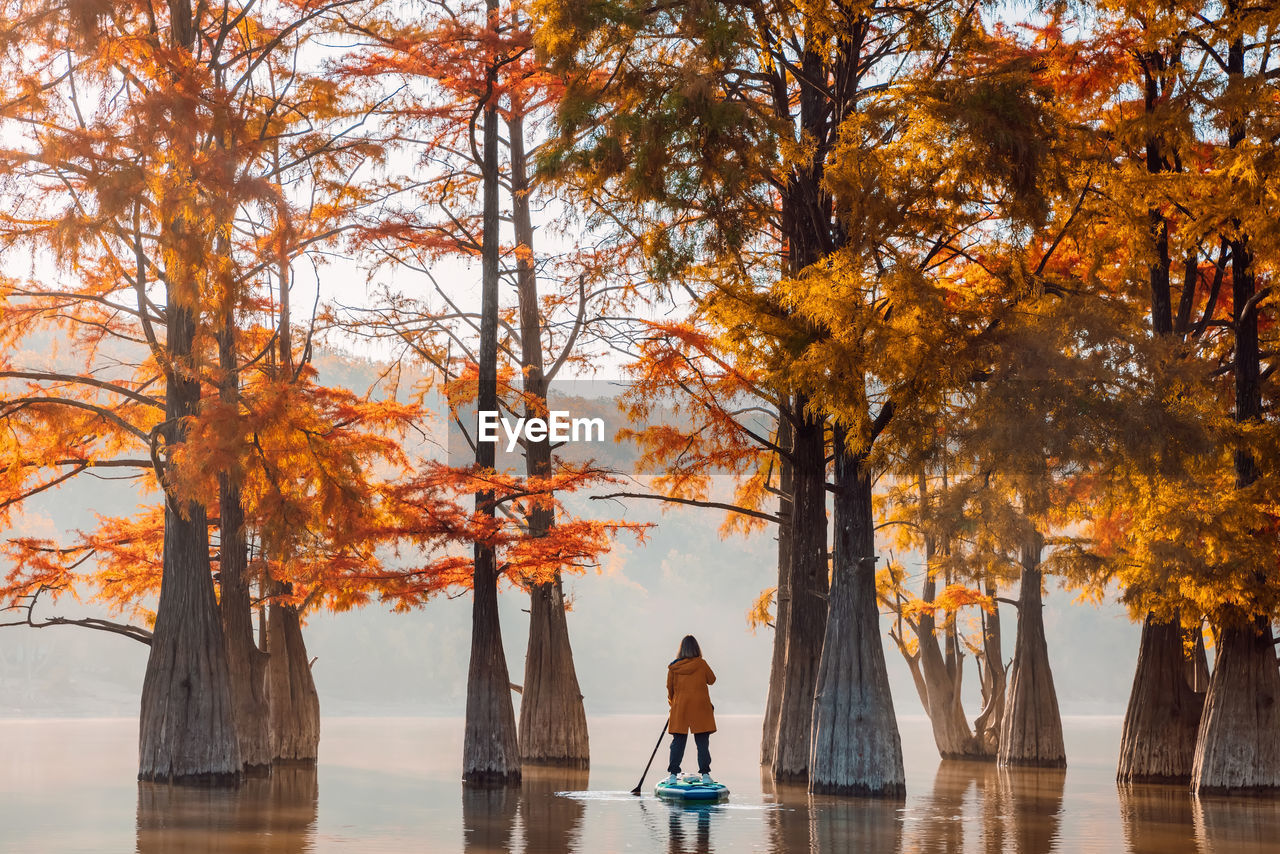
x=1028, y=802
x=804, y=822
x=550, y=824
x=972, y=806
x=488, y=818
x=267, y=814
x=938, y=824
x=1157, y=819
x=1236, y=825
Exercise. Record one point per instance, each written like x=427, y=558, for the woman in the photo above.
x=691, y=710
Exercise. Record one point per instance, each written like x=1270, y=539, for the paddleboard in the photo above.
x=691, y=789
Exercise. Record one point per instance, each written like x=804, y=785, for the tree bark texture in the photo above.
x=247, y=663
x=553, y=721
x=1031, y=731
x=295, y=705
x=856, y=746
x=808, y=582
x=986, y=725
x=781, y=597
x=490, y=754
x=1158, y=742
x=940, y=679
x=1238, y=744
x=187, y=723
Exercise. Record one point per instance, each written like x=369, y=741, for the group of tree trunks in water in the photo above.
x=215, y=703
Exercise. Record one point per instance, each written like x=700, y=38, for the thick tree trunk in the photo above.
x=951, y=731
x=781, y=598
x=1031, y=731
x=940, y=676
x=187, y=727
x=187, y=723
x=1158, y=742
x=856, y=746
x=295, y=705
x=986, y=725
x=807, y=620
x=490, y=754
x=1238, y=744
x=247, y=663
x=553, y=722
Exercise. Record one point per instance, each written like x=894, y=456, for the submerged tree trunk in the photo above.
x=490, y=754
x=295, y=705
x=939, y=675
x=553, y=722
x=807, y=618
x=1158, y=742
x=986, y=726
x=247, y=663
x=1031, y=731
x=1238, y=744
x=856, y=746
x=187, y=724
x=782, y=595
x=951, y=731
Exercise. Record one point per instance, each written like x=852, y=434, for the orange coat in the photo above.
x=691, y=709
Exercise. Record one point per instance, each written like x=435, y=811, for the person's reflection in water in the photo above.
x=488, y=818
x=1236, y=825
x=1157, y=819
x=275, y=813
x=551, y=823
x=804, y=822
x=682, y=841
x=1031, y=801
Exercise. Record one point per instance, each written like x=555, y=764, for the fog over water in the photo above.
x=392, y=784
x=626, y=622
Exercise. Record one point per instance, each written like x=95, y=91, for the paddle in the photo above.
x=661, y=736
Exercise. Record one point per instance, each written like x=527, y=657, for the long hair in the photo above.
x=689, y=647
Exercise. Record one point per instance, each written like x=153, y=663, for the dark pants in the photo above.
x=678, y=742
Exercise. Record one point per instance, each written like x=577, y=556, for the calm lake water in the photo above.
x=391, y=784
